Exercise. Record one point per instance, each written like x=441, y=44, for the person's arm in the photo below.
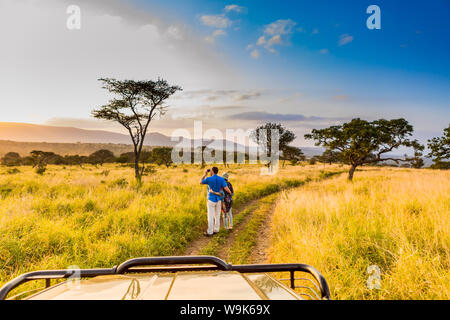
x=225, y=187
x=232, y=190
x=204, y=176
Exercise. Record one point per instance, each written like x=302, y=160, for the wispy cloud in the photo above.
x=248, y=96
x=266, y=116
x=323, y=51
x=274, y=34
x=235, y=8
x=341, y=97
x=213, y=95
x=212, y=37
x=254, y=54
x=345, y=38
x=280, y=27
x=216, y=21
x=220, y=21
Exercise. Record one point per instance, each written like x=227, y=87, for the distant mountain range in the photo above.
x=25, y=137
x=26, y=132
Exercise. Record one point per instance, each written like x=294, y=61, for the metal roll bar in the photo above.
x=130, y=266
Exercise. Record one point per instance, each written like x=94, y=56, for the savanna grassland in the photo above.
x=99, y=217
x=396, y=219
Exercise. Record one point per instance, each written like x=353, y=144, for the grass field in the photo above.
x=396, y=219
x=98, y=217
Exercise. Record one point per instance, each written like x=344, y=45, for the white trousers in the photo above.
x=214, y=209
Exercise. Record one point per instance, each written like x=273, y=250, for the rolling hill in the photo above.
x=24, y=138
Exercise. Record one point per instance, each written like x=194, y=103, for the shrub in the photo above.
x=41, y=170
x=120, y=183
x=13, y=171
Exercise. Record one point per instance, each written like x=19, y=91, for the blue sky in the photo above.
x=310, y=63
x=412, y=45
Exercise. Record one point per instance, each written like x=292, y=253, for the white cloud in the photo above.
x=175, y=32
x=345, y=38
x=235, y=8
x=261, y=41
x=255, y=54
x=280, y=27
x=116, y=40
x=212, y=95
x=248, y=96
x=274, y=34
x=217, y=33
x=274, y=40
x=217, y=21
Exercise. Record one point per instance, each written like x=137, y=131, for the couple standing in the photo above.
x=220, y=193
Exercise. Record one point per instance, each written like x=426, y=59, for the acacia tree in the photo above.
x=330, y=157
x=40, y=160
x=292, y=154
x=102, y=156
x=263, y=137
x=162, y=156
x=137, y=104
x=363, y=142
x=440, y=150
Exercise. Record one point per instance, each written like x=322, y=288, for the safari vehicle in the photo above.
x=176, y=278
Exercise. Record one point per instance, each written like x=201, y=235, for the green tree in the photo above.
x=41, y=159
x=137, y=104
x=292, y=154
x=363, y=142
x=162, y=156
x=263, y=137
x=75, y=160
x=417, y=161
x=12, y=159
x=440, y=150
x=330, y=157
x=102, y=156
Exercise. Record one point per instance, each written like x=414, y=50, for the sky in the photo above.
x=306, y=64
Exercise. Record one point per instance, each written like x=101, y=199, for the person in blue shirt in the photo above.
x=214, y=204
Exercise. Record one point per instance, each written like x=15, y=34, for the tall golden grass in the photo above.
x=98, y=217
x=396, y=219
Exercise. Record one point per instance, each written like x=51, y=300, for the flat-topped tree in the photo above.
x=137, y=104
x=440, y=150
x=292, y=154
x=365, y=142
x=162, y=156
x=102, y=156
x=263, y=137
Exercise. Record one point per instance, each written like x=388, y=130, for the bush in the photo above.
x=149, y=170
x=41, y=170
x=11, y=159
x=121, y=183
x=13, y=171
